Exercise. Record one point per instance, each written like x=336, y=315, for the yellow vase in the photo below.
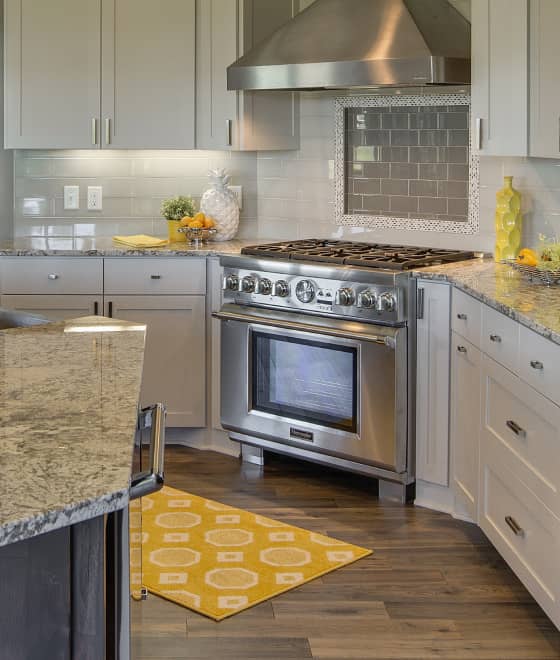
x=175, y=236
x=508, y=222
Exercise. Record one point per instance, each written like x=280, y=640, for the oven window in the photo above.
x=305, y=380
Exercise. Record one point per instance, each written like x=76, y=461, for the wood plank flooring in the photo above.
x=434, y=587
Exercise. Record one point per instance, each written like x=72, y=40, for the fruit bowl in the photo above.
x=198, y=235
x=535, y=274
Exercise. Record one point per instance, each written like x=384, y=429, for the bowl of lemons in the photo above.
x=198, y=229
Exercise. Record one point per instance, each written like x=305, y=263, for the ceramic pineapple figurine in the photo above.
x=508, y=222
x=221, y=204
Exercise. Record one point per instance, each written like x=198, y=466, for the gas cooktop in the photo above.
x=350, y=253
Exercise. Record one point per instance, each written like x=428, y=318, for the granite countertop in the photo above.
x=534, y=305
x=68, y=411
x=105, y=247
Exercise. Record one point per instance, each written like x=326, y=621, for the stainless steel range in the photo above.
x=319, y=351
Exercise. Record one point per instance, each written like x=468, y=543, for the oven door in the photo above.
x=325, y=385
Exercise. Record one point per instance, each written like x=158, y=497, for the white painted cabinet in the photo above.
x=544, y=56
x=52, y=74
x=55, y=307
x=250, y=121
x=465, y=426
x=432, y=384
x=499, y=86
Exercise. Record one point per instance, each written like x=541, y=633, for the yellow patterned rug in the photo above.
x=218, y=560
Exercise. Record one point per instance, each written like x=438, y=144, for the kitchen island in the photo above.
x=68, y=413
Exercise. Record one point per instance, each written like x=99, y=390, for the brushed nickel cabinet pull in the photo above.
x=539, y=366
x=518, y=430
x=478, y=133
x=461, y=349
x=514, y=526
x=462, y=317
x=107, y=130
x=495, y=338
x=110, y=310
x=96, y=308
x=53, y=276
x=94, y=131
x=155, y=277
x=229, y=132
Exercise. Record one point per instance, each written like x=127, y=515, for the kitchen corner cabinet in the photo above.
x=238, y=120
x=499, y=85
x=432, y=384
x=124, y=74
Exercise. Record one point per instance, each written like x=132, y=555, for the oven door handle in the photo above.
x=285, y=324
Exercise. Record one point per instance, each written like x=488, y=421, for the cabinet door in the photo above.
x=148, y=66
x=465, y=425
x=175, y=357
x=52, y=74
x=54, y=307
x=544, y=136
x=226, y=29
x=499, y=86
x=432, y=384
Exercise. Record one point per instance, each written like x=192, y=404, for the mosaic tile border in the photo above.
x=383, y=222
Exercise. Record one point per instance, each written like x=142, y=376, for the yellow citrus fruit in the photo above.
x=196, y=224
x=199, y=217
x=208, y=223
x=527, y=257
x=185, y=221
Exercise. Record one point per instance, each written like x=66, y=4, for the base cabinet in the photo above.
x=57, y=308
x=175, y=356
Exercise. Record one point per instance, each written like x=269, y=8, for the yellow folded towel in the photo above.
x=140, y=241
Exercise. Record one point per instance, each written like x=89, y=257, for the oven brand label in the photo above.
x=301, y=435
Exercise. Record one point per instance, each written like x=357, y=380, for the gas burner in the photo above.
x=365, y=255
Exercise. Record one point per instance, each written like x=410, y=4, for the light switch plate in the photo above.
x=238, y=191
x=95, y=198
x=71, y=198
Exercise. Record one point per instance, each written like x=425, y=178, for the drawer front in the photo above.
x=523, y=531
x=524, y=428
x=59, y=275
x=539, y=363
x=500, y=337
x=156, y=275
x=466, y=313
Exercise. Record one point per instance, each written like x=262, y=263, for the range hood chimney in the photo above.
x=344, y=44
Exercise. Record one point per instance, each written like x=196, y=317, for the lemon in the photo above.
x=527, y=257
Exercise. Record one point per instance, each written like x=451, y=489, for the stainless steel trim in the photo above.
x=536, y=364
x=229, y=132
x=478, y=133
x=151, y=480
x=94, y=131
x=518, y=430
x=107, y=130
x=514, y=526
x=330, y=327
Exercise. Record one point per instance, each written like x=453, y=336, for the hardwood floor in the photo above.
x=434, y=587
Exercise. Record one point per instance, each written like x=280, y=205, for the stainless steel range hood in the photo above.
x=342, y=44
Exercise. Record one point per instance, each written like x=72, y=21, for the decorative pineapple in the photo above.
x=221, y=204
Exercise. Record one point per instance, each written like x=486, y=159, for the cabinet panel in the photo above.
x=56, y=308
x=499, y=85
x=175, y=357
x=432, y=385
x=539, y=360
x=465, y=425
x=544, y=140
x=52, y=74
x=52, y=275
x=500, y=337
x=148, y=74
x=466, y=317
x=138, y=275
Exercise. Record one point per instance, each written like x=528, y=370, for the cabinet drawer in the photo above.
x=159, y=275
x=524, y=428
x=64, y=275
x=500, y=337
x=539, y=363
x=466, y=313
x=523, y=531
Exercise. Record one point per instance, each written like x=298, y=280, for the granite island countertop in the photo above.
x=68, y=412
x=532, y=304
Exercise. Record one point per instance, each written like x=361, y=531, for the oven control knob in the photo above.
x=305, y=291
x=282, y=289
x=366, y=299
x=264, y=287
x=386, y=303
x=345, y=297
x=248, y=284
x=231, y=283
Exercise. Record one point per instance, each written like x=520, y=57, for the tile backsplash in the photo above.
x=286, y=194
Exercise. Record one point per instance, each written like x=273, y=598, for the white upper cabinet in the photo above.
x=226, y=29
x=52, y=74
x=148, y=74
x=500, y=76
x=544, y=83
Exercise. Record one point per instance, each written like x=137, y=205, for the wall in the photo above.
x=6, y=160
x=134, y=185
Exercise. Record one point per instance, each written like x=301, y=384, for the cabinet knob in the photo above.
x=53, y=276
x=495, y=338
x=514, y=526
x=461, y=349
x=539, y=366
x=462, y=317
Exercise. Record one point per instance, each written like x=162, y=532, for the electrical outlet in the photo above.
x=95, y=198
x=331, y=169
x=238, y=191
x=71, y=198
